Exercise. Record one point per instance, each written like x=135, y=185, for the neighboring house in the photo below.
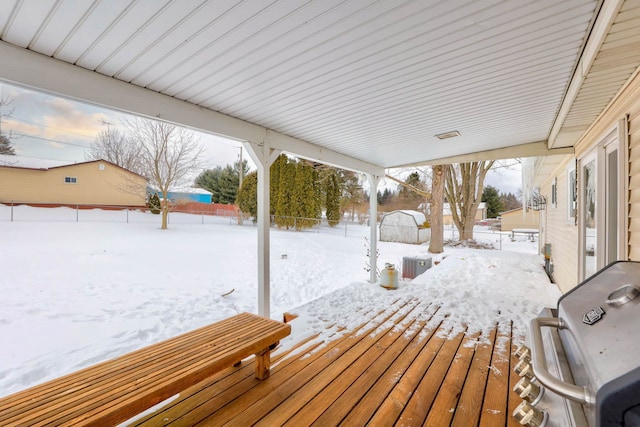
x=404, y=226
x=519, y=218
x=592, y=212
x=447, y=218
x=96, y=182
x=190, y=195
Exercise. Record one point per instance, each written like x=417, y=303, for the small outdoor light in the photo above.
x=539, y=203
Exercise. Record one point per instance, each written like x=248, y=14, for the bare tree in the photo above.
x=5, y=146
x=436, y=242
x=413, y=188
x=463, y=189
x=113, y=145
x=5, y=141
x=169, y=156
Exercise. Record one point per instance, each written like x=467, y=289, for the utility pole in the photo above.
x=241, y=171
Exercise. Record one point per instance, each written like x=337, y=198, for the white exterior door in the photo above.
x=600, y=205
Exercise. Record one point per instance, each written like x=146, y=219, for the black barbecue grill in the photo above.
x=582, y=366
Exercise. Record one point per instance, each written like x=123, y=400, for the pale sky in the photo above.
x=49, y=127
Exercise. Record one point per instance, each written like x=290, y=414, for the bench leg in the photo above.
x=263, y=363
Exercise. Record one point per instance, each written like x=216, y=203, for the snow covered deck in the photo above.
x=402, y=366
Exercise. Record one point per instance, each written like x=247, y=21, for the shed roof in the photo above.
x=21, y=162
x=419, y=217
x=191, y=190
x=30, y=162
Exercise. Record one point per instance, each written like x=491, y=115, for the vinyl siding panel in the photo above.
x=633, y=231
x=564, y=236
x=559, y=231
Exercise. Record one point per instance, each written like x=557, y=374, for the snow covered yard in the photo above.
x=76, y=293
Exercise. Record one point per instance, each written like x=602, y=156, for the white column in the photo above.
x=263, y=156
x=373, y=225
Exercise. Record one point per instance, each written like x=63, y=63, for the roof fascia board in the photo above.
x=532, y=149
x=27, y=68
x=322, y=155
x=606, y=16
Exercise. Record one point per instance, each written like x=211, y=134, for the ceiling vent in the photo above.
x=446, y=135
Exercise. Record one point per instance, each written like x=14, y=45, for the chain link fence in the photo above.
x=14, y=211
x=22, y=212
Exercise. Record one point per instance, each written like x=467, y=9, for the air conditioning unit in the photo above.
x=413, y=267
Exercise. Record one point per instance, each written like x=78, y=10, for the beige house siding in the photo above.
x=519, y=219
x=627, y=107
x=633, y=231
x=558, y=230
x=97, y=183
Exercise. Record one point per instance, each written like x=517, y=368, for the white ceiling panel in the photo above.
x=372, y=80
x=25, y=21
x=173, y=47
x=131, y=23
x=91, y=30
x=57, y=30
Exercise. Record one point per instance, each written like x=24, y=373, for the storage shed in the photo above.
x=190, y=195
x=404, y=226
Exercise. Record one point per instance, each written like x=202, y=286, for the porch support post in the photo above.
x=373, y=226
x=263, y=156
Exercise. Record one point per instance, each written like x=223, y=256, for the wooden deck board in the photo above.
x=468, y=410
x=494, y=409
x=364, y=396
x=444, y=407
x=399, y=368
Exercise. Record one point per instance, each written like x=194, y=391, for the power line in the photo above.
x=51, y=140
x=49, y=127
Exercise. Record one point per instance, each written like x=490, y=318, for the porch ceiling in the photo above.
x=370, y=80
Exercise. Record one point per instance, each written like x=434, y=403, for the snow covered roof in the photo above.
x=191, y=190
x=31, y=162
x=418, y=216
x=21, y=162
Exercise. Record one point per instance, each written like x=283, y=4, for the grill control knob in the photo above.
x=523, y=352
x=529, y=416
x=528, y=391
x=524, y=369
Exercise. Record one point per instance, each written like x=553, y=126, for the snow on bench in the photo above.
x=531, y=232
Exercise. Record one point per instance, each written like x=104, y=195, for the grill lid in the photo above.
x=602, y=336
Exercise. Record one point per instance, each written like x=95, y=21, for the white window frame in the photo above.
x=572, y=193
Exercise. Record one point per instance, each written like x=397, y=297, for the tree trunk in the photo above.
x=165, y=214
x=164, y=211
x=436, y=243
x=463, y=189
x=467, y=231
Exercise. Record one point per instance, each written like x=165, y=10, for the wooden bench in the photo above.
x=116, y=390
